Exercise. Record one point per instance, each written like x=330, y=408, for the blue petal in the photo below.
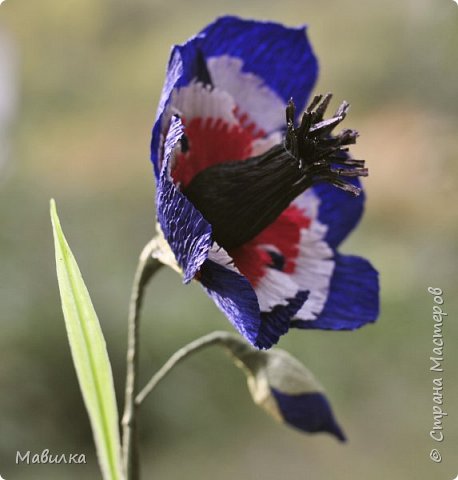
x=234, y=296
x=276, y=323
x=155, y=141
x=183, y=226
x=175, y=77
x=184, y=60
x=281, y=56
x=309, y=412
x=353, y=299
x=339, y=210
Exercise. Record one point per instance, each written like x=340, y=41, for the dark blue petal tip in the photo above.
x=234, y=296
x=276, y=323
x=309, y=412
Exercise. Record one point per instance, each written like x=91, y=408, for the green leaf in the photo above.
x=89, y=354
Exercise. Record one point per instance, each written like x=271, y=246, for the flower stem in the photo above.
x=225, y=339
x=147, y=266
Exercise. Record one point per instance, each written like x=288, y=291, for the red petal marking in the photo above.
x=248, y=124
x=252, y=259
x=212, y=141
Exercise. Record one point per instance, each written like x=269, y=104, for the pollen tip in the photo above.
x=317, y=150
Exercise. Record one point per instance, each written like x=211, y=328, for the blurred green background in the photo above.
x=88, y=74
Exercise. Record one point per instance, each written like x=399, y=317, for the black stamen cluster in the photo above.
x=241, y=198
x=321, y=155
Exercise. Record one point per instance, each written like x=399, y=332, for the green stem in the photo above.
x=147, y=267
x=225, y=339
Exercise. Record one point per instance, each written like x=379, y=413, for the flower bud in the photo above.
x=285, y=389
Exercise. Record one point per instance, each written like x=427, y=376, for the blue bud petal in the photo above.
x=310, y=412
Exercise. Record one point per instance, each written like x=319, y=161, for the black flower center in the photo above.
x=241, y=198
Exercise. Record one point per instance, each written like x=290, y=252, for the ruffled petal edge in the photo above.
x=183, y=226
x=353, y=297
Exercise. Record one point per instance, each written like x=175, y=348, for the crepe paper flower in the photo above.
x=281, y=385
x=253, y=202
